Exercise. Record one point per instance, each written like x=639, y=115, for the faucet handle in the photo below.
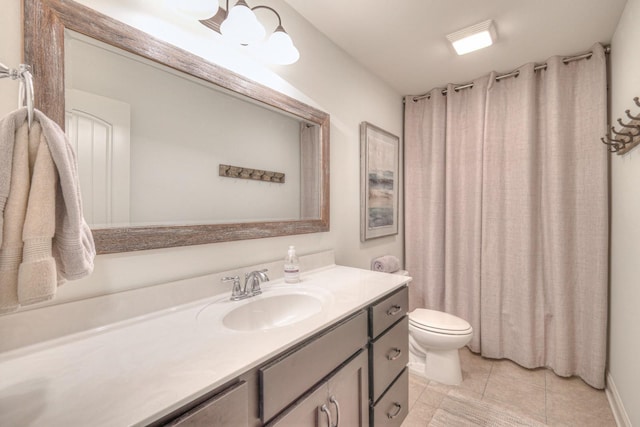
x=236, y=291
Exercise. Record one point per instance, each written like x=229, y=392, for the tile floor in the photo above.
x=535, y=393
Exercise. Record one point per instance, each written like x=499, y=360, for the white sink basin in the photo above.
x=275, y=308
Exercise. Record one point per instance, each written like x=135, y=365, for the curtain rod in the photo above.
x=607, y=49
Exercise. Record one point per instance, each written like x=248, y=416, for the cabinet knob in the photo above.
x=327, y=412
x=333, y=400
x=396, y=353
x=398, y=410
x=395, y=309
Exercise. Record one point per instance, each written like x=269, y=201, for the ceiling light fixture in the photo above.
x=240, y=25
x=474, y=37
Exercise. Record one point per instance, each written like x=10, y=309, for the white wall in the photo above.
x=624, y=346
x=325, y=77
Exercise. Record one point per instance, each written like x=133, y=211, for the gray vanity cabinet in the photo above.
x=351, y=374
x=388, y=359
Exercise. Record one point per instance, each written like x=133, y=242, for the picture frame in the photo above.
x=379, y=181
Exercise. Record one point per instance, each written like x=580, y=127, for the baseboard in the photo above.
x=622, y=419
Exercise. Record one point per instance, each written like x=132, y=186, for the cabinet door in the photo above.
x=349, y=394
x=305, y=412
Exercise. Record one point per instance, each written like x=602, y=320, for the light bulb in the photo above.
x=242, y=25
x=472, y=43
x=279, y=49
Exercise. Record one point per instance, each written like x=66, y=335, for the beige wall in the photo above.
x=325, y=77
x=624, y=343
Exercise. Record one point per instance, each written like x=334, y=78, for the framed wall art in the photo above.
x=379, y=180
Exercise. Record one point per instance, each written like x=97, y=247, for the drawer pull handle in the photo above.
x=398, y=410
x=327, y=412
x=395, y=309
x=333, y=400
x=396, y=353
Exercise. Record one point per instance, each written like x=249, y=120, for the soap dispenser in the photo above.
x=291, y=266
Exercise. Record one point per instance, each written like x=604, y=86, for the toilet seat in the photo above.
x=438, y=322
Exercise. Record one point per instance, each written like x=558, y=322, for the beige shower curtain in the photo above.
x=523, y=232
x=310, y=181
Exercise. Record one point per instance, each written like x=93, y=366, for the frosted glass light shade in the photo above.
x=473, y=38
x=242, y=25
x=279, y=49
x=198, y=9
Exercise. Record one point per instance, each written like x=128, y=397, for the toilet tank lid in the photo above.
x=438, y=319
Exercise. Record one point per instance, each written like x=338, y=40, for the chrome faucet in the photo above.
x=251, y=281
x=255, y=277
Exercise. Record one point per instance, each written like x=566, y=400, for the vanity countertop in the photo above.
x=136, y=371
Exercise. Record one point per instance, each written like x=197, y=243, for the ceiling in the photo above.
x=404, y=41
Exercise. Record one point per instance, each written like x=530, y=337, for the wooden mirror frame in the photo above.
x=45, y=22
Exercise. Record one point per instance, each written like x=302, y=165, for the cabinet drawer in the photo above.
x=389, y=356
x=393, y=407
x=386, y=312
x=283, y=380
x=229, y=408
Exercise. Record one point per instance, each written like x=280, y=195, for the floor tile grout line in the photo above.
x=484, y=389
x=546, y=418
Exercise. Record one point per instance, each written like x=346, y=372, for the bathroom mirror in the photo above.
x=193, y=215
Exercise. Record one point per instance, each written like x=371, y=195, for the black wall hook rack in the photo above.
x=623, y=140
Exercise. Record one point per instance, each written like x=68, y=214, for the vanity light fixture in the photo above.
x=240, y=25
x=474, y=37
x=198, y=9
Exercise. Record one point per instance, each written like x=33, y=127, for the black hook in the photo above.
x=613, y=146
x=630, y=116
x=626, y=134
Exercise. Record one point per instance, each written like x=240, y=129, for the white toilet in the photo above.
x=434, y=340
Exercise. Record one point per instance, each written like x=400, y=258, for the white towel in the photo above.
x=37, y=278
x=15, y=184
x=44, y=239
x=73, y=246
x=386, y=264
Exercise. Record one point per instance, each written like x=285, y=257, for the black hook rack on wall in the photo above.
x=627, y=137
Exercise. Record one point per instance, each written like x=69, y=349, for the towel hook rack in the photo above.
x=622, y=141
x=26, y=93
